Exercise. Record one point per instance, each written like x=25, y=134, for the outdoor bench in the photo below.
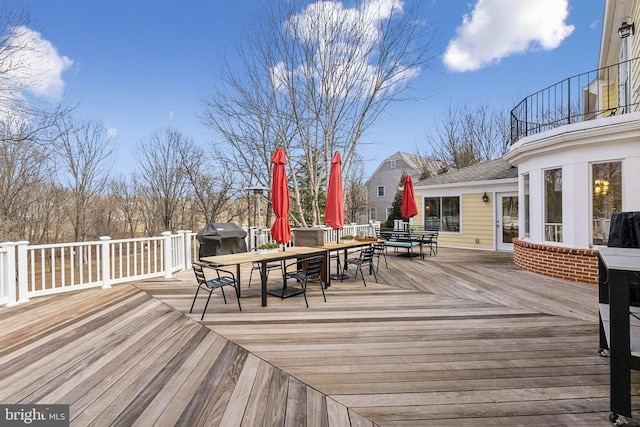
x=404, y=240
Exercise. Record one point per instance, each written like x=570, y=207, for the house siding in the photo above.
x=387, y=175
x=610, y=97
x=476, y=223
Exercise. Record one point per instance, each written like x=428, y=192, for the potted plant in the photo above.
x=347, y=238
x=268, y=248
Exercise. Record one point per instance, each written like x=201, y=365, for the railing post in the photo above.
x=23, y=272
x=186, y=235
x=168, y=254
x=106, y=262
x=10, y=272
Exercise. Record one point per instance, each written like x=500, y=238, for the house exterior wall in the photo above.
x=573, y=148
x=615, y=138
x=576, y=265
x=478, y=218
x=388, y=175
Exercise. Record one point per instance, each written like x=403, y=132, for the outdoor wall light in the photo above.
x=485, y=198
x=627, y=28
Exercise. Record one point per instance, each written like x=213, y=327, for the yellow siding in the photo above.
x=419, y=219
x=635, y=51
x=477, y=223
x=609, y=97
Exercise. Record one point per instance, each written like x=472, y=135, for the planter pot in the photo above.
x=268, y=251
x=346, y=240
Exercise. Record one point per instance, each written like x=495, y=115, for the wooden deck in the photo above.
x=464, y=338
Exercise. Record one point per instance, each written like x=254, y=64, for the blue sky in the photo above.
x=142, y=65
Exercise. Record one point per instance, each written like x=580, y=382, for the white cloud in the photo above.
x=112, y=132
x=500, y=28
x=41, y=66
x=332, y=28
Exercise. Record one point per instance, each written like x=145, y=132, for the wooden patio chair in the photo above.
x=223, y=278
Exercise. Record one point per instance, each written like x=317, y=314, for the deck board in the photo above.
x=463, y=338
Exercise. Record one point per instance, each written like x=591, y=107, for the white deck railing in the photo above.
x=28, y=271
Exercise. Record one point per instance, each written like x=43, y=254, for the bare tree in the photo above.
x=355, y=193
x=320, y=76
x=163, y=175
x=468, y=134
x=210, y=192
x=83, y=156
x=24, y=167
x=14, y=69
x=125, y=196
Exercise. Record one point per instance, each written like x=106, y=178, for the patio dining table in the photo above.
x=263, y=258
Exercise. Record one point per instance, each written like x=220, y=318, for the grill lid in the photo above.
x=220, y=231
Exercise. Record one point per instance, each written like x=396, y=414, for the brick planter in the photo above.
x=576, y=265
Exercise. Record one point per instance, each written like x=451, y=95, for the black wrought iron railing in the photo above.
x=600, y=93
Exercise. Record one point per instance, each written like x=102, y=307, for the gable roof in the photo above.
x=493, y=169
x=412, y=160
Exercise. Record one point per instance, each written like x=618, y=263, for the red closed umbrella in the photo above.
x=281, y=230
x=409, y=207
x=334, y=209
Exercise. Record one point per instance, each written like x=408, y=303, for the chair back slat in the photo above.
x=367, y=254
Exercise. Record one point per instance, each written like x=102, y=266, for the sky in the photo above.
x=140, y=66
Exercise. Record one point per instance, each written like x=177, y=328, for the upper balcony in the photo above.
x=596, y=94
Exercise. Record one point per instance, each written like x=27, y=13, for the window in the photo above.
x=553, y=205
x=372, y=214
x=381, y=191
x=527, y=214
x=389, y=212
x=442, y=213
x=606, y=198
x=392, y=164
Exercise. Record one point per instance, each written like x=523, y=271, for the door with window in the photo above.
x=506, y=220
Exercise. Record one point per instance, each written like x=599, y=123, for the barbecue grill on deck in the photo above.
x=221, y=239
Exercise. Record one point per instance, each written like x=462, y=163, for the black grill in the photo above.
x=221, y=239
x=624, y=230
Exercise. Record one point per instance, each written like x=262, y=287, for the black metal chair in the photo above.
x=432, y=242
x=258, y=266
x=366, y=258
x=306, y=270
x=380, y=250
x=227, y=278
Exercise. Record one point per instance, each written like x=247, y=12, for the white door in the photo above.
x=506, y=220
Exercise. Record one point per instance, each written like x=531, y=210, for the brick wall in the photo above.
x=576, y=265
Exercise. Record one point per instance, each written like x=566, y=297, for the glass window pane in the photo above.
x=450, y=214
x=432, y=213
x=553, y=205
x=380, y=191
x=606, y=198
